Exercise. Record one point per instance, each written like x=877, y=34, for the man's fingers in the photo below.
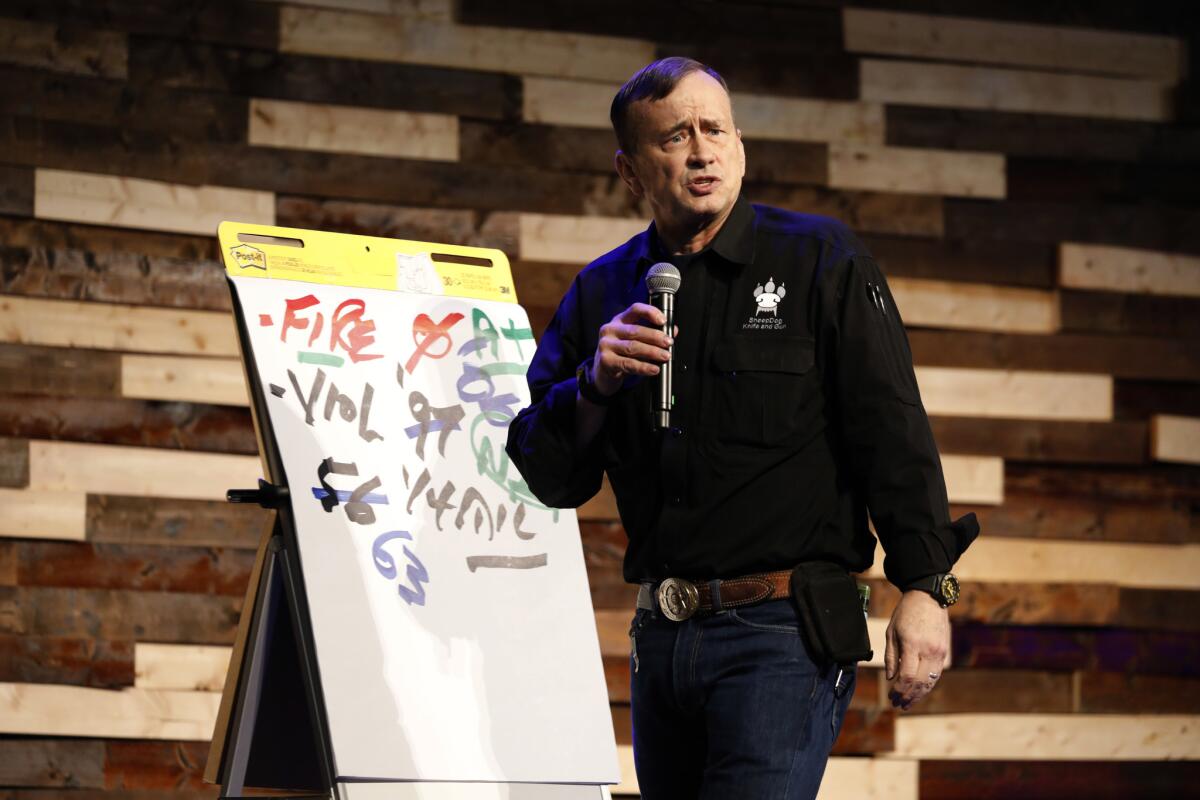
x=891, y=656
x=643, y=313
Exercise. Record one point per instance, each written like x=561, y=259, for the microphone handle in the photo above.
x=665, y=400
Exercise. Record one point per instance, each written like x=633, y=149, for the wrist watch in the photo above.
x=583, y=377
x=943, y=587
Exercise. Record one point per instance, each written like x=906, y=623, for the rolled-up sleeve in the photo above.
x=541, y=439
x=889, y=443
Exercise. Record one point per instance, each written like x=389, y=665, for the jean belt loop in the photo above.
x=714, y=592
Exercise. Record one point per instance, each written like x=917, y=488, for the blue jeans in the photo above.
x=732, y=705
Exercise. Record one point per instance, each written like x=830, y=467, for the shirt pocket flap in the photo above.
x=784, y=354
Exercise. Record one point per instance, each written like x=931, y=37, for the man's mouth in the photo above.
x=702, y=185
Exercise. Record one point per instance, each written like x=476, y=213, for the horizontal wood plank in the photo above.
x=974, y=306
x=1101, y=737
x=1130, y=314
x=420, y=41
x=80, y=565
x=348, y=129
x=1015, y=394
x=52, y=763
x=45, y=710
x=109, y=326
x=953, y=86
x=43, y=514
x=916, y=171
x=1175, y=439
x=1159, y=566
x=74, y=660
x=1069, y=49
x=70, y=48
x=572, y=240
x=30, y=369
x=139, y=471
x=118, y=519
x=1057, y=441
x=1096, y=780
x=193, y=380
x=137, y=203
x=1124, y=269
x=187, y=667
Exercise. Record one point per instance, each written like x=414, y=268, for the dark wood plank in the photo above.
x=74, y=661
x=16, y=191
x=1033, y=515
x=1158, y=483
x=1135, y=357
x=773, y=65
x=1028, y=265
x=283, y=76
x=98, y=239
x=150, y=423
x=119, y=614
x=87, y=565
x=133, y=764
x=30, y=369
x=1154, y=227
x=1122, y=693
x=1040, y=135
x=1130, y=314
x=1143, y=399
x=1055, y=780
x=866, y=731
x=72, y=98
x=113, y=278
x=1089, y=649
x=1159, y=609
x=8, y=563
x=52, y=763
x=1021, y=603
x=131, y=521
x=63, y=45
x=1044, y=440
x=616, y=676
x=14, y=463
x=1073, y=181
x=252, y=24
x=449, y=226
x=209, y=793
x=865, y=212
x=961, y=691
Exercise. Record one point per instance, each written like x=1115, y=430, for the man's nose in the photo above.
x=701, y=152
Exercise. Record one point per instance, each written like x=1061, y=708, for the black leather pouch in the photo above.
x=831, y=611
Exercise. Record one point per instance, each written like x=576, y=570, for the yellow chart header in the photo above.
x=344, y=259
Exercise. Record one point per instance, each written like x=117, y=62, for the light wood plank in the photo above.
x=572, y=240
x=869, y=779
x=1036, y=737
x=629, y=783
x=192, y=380
x=35, y=514
x=1015, y=394
x=910, y=170
x=138, y=471
x=974, y=479
x=975, y=306
x=1124, y=269
x=1175, y=439
x=50, y=710
x=350, y=34
x=136, y=203
x=1042, y=561
x=93, y=52
x=585, y=104
x=925, y=36
x=952, y=86
x=109, y=326
x=186, y=667
x=345, y=129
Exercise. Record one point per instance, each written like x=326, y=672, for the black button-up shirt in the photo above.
x=796, y=411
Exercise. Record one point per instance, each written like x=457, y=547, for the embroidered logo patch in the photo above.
x=767, y=297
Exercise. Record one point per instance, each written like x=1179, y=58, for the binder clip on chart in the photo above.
x=395, y=641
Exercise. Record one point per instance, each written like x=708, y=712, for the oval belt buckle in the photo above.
x=678, y=599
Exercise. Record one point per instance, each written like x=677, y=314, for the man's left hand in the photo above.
x=918, y=641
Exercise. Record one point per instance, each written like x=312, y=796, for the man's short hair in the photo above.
x=654, y=81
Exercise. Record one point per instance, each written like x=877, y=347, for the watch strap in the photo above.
x=583, y=377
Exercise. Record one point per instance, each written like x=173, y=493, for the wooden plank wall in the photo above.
x=1025, y=173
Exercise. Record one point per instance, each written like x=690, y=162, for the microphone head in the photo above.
x=663, y=278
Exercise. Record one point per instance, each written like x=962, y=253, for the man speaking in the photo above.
x=795, y=412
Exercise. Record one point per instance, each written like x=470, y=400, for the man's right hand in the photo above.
x=631, y=343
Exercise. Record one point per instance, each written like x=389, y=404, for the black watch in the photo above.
x=943, y=587
x=583, y=377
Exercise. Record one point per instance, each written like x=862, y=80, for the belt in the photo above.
x=679, y=599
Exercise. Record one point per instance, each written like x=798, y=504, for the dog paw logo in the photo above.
x=767, y=295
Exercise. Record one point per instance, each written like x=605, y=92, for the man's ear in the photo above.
x=741, y=150
x=625, y=169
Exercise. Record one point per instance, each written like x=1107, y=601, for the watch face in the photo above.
x=949, y=589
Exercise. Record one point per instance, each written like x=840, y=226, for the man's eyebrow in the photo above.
x=678, y=126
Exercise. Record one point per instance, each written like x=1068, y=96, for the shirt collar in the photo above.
x=734, y=242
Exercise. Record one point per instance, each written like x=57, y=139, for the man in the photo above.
x=796, y=410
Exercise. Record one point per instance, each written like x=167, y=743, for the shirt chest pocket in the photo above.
x=764, y=389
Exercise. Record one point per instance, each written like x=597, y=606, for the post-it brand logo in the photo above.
x=247, y=257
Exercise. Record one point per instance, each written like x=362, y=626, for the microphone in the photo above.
x=663, y=281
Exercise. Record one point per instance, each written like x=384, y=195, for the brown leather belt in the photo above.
x=679, y=599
